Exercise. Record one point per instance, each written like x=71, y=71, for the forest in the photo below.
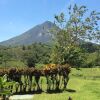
x=87, y=55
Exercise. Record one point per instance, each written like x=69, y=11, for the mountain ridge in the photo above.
x=39, y=33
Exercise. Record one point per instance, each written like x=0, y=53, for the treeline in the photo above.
x=92, y=54
x=87, y=55
x=21, y=56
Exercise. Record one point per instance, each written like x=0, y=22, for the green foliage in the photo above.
x=21, y=56
x=4, y=85
x=67, y=48
x=89, y=47
x=75, y=57
x=78, y=26
x=16, y=64
x=92, y=59
x=31, y=61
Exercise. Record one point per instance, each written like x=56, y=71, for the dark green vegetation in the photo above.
x=23, y=56
x=39, y=53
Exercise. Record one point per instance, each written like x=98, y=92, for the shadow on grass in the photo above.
x=54, y=91
x=48, y=92
x=32, y=92
x=71, y=90
x=60, y=91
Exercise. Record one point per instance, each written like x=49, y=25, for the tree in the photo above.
x=78, y=28
x=97, y=62
x=1, y=58
x=31, y=61
x=23, y=47
x=4, y=57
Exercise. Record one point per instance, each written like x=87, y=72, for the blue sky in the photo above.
x=17, y=16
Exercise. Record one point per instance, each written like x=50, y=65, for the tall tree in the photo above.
x=79, y=27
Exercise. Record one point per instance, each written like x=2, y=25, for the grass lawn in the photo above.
x=84, y=84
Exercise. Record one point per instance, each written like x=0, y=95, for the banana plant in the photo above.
x=4, y=86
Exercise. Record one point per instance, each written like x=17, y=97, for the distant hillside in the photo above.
x=39, y=33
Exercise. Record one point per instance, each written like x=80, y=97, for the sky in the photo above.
x=18, y=16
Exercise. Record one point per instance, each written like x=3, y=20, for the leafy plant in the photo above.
x=4, y=86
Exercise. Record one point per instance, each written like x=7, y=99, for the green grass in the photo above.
x=84, y=84
x=13, y=63
x=86, y=73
